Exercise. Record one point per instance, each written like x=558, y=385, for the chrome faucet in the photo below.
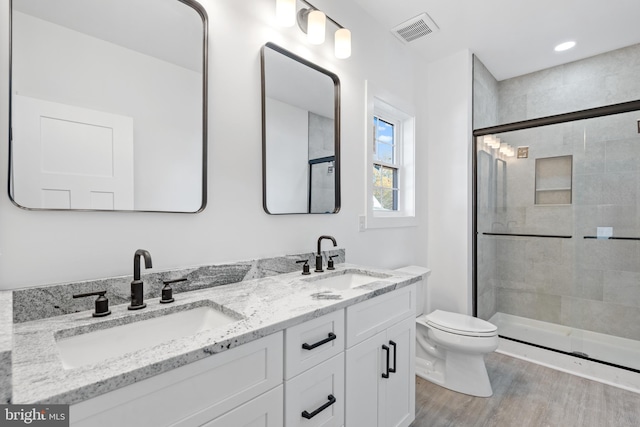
x=137, y=290
x=319, y=255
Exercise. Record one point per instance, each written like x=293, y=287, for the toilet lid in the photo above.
x=460, y=324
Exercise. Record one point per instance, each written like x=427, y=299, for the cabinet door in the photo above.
x=398, y=391
x=375, y=315
x=263, y=411
x=319, y=393
x=191, y=394
x=363, y=375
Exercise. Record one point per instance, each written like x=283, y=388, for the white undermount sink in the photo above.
x=93, y=347
x=348, y=280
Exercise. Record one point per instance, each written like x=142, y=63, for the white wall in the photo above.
x=49, y=247
x=448, y=96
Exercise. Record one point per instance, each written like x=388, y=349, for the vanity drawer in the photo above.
x=263, y=411
x=366, y=319
x=319, y=393
x=192, y=394
x=313, y=342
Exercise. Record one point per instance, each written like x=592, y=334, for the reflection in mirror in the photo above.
x=300, y=135
x=108, y=105
x=501, y=186
x=485, y=178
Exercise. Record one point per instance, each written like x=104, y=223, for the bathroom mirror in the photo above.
x=108, y=105
x=300, y=135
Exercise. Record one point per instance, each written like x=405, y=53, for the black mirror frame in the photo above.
x=336, y=85
x=205, y=61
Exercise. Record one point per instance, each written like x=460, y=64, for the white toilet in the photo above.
x=450, y=347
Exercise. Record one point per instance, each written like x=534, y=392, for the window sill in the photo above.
x=390, y=220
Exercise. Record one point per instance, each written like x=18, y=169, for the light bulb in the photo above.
x=343, y=43
x=316, y=21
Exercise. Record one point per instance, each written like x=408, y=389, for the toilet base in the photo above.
x=462, y=373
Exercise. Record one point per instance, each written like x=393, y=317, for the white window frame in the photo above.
x=400, y=113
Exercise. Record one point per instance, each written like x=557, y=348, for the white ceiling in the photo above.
x=516, y=37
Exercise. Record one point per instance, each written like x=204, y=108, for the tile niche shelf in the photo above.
x=553, y=180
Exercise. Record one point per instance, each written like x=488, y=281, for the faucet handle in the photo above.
x=305, y=267
x=102, y=303
x=330, y=262
x=167, y=291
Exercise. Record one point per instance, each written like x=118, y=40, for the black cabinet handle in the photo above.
x=331, y=401
x=393, y=370
x=385, y=348
x=331, y=337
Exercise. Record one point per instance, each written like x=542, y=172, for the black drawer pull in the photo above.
x=331, y=337
x=393, y=370
x=386, y=375
x=331, y=401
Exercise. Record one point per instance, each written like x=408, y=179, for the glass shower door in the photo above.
x=558, y=236
x=604, y=309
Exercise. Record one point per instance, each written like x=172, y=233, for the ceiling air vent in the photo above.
x=415, y=28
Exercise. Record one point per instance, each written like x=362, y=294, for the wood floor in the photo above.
x=526, y=394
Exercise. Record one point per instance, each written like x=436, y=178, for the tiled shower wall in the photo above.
x=604, y=79
x=587, y=283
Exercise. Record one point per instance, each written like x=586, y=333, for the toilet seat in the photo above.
x=460, y=324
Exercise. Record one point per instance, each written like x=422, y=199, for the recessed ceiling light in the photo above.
x=564, y=46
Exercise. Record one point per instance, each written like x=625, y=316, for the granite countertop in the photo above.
x=267, y=305
x=6, y=332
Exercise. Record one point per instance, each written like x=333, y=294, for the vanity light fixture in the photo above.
x=503, y=148
x=511, y=151
x=495, y=143
x=313, y=22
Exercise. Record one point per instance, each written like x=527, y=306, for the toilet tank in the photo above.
x=421, y=286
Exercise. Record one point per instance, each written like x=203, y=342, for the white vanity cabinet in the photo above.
x=380, y=361
x=325, y=372
x=314, y=372
x=198, y=393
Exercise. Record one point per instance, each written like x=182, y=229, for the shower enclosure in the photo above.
x=557, y=238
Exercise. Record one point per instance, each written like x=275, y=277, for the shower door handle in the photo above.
x=393, y=370
x=386, y=375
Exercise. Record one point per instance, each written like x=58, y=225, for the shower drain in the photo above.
x=580, y=354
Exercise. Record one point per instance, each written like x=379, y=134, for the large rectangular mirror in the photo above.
x=108, y=105
x=300, y=135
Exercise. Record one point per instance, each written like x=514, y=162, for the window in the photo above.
x=386, y=167
x=390, y=162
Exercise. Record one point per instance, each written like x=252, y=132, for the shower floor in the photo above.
x=592, y=345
